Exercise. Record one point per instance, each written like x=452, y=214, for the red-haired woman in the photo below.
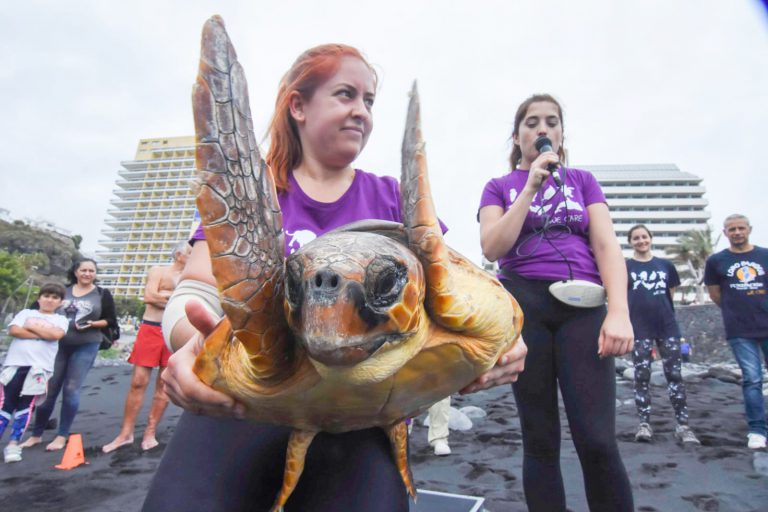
x=322, y=121
x=556, y=247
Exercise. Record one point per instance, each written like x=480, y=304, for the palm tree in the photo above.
x=692, y=250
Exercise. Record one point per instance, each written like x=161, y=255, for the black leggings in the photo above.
x=562, y=349
x=214, y=464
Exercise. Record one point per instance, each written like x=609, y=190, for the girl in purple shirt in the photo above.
x=541, y=232
x=322, y=121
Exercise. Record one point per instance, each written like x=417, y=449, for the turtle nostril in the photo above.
x=326, y=280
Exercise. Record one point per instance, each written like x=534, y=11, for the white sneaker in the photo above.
x=755, y=441
x=644, y=433
x=685, y=435
x=12, y=453
x=441, y=447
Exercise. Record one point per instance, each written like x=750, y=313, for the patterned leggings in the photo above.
x=669, y=350
x=15, y=408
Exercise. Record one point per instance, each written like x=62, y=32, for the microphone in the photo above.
x=543, y=144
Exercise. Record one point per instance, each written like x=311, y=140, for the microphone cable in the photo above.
x=550, y=230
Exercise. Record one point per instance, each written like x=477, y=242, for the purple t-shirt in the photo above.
x=534, y=256
x=369, y=197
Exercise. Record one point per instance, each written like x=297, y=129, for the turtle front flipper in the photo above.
x=398, y=436
x=425, y=236
x=459, y=296
x=298, y=444
x=238, y=206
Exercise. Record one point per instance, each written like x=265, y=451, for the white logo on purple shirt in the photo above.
x=298, y=238
x=568, y=203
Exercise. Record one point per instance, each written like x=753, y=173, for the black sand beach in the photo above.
x=719, y=476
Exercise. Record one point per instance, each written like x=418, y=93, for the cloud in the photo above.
x=641, y=82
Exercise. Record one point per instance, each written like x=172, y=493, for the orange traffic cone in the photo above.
x=73, y=453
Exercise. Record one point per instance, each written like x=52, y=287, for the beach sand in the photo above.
x=719, y=476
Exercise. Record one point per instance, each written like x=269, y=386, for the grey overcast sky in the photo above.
x=657, y=81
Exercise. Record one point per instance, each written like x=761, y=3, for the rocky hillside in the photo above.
x=59, y=250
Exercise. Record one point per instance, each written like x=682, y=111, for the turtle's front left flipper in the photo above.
x=238, y=206
x=459, y=295
x=425, y=237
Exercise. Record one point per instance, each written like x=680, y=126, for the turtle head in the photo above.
x=355, y=299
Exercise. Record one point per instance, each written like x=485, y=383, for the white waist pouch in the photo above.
x=578, y=293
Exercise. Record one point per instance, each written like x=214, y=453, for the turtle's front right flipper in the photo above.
x=238, y=206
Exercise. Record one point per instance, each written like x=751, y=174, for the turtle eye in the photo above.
x=385, y=286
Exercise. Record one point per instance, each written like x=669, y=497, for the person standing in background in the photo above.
x=549, y=232
x=89, y=309
x=29, y=363
x=736, y=281
x=651, y=286
x=150, y=351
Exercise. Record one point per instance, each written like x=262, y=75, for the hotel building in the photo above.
x=153, y=209
x=661, y=196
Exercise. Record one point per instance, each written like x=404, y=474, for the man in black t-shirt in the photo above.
x=737, y=282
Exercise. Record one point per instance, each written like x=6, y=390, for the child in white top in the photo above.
x=29, y=363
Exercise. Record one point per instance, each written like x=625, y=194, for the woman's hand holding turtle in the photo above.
x=507, y=369
x=183, y=387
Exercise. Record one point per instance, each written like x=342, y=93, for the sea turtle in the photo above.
x=364, y=326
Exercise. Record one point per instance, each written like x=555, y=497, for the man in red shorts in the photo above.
x=150, y=351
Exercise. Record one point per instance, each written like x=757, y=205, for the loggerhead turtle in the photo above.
x=364, y=326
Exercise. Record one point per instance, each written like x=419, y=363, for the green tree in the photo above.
x=12, y=277
x=77, y=240
x=12, y=273
x=131, y=306
x=692, y=250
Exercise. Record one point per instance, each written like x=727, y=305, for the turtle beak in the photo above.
x=331, y=325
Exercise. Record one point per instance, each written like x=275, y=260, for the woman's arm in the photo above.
x=616, y=336
x=182, y=385
x=198, y=268
x=108, y=314
x=499, y=230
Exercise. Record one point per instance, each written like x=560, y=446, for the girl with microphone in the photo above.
x=559, y=256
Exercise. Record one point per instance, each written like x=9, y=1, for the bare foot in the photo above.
x=148, y=442
x=31, y=441
x=58, y=443
x=118, y=442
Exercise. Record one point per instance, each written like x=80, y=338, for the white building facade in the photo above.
x=153, y=210
x=661, y=196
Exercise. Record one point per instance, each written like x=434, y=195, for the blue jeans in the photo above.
x=69, y=371
x=747, y=353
